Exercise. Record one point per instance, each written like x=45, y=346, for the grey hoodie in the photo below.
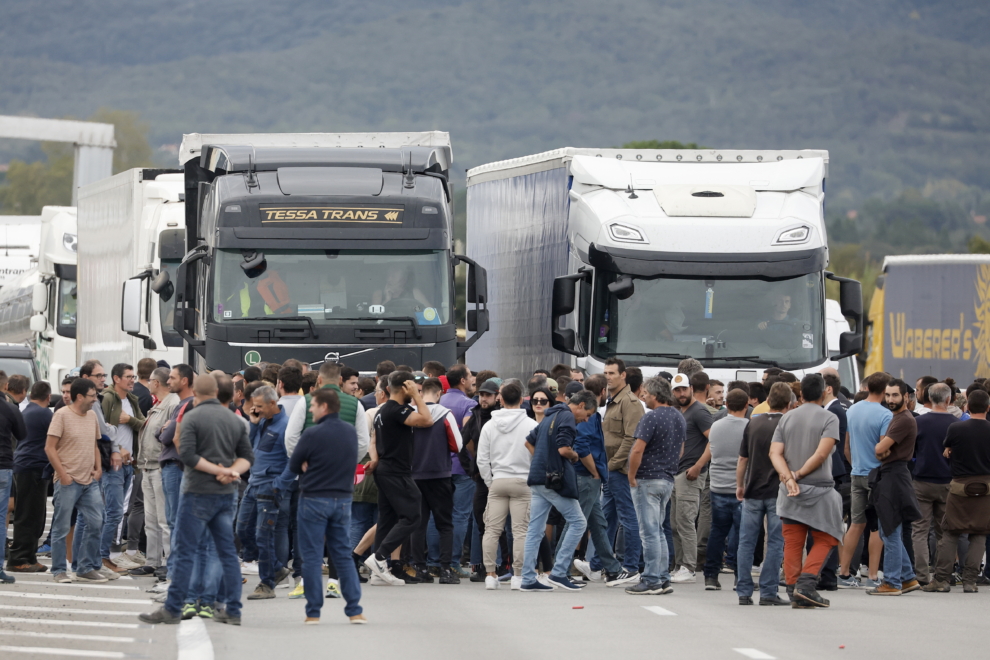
x=502, y=452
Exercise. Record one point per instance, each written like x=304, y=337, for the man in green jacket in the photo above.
x=122, y=412
x=351, y=412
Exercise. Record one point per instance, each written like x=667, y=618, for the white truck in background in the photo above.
x=715, y=255
x=132, y=223
x=38, y=306
x=20, y=239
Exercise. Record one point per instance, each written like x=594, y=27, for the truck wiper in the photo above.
x=411, y=319
x=312, y=326
x=747, y=358
x=677, y=356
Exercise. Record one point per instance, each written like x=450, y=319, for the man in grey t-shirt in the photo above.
x=724, y=441
x=807, y=503
x=688, y=483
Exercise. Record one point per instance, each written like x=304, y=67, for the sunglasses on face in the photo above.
x=539, y=402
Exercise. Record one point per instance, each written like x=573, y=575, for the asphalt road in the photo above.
x=466, y=621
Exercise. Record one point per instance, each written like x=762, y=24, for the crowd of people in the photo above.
x=443, y=474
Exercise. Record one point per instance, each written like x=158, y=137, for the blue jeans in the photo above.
x=539, y=509
x=617, y=505
x=89, y=503
x=6, y=480
x=172, y=487
x=463, y=508
x=590, y=499
x=668, y=534
x=651, y=498
x=363, y=516
x=198, y=515
x=247, y=522
x=897, y=568
x=725, y=518
x=114, y=484
x=750, y=524
x=206, y=586
x=266, y=532
x=327, y=519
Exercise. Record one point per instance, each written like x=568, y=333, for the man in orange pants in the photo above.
x=807, y=502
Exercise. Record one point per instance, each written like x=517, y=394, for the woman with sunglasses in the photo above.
x=539, y=402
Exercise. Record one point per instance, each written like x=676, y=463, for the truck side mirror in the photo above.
x=477, y=294
x=622, y=288
x=162, y=285
x=851, y=304
x=477, y=284
x=477, y=320
x=39, y=298
x=39, y=323
x=562, y=304
x=130, y=308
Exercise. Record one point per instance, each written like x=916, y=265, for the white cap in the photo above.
x=680, y=380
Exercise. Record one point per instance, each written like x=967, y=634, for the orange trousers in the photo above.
x=795, y=539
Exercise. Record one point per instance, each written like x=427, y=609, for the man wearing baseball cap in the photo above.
x=687, y=484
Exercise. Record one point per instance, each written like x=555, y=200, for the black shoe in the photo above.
x=282, y=574
x=828, y=586
x=746, y=600
x=776, y=600
x=478, y=576
x=142, y=571
x=222, y=617
x=161, y=573
x=712, y=584
x=161, y=615
x=408, y=578
x=424, y=575
x=789, y=588
x=448, y=576
x=810, y=596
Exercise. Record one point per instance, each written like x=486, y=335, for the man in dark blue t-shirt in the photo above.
x=32, y=474
x=653, y=463
x=932, y=475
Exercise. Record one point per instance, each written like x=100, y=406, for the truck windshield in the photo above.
x=334, y=286
x=66, y=322
x=729, y=323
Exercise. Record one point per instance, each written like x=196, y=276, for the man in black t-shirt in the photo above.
x=757, y=485
x=398, y=496
x=967, y=508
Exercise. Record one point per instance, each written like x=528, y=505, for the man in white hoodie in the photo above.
x=503, y=462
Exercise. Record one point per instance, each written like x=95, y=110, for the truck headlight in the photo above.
x=793, y=235
x=625, y=234
x=69, y=242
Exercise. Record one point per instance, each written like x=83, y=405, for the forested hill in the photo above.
x=896, y=90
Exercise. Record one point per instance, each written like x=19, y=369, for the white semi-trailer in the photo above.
x=131, y=224
x=38, y=306
x=653, y=256
x=20, y=238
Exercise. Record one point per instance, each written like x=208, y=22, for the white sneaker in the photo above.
x=491, y=583
x=584, y=568
x=544, y=578
x=159, y=588
x=516, y=583
x=683, y=576
x=375, y=581
x=249, y=567
x=756, y=570
x=123, y=561
x=108, y=574
x=380, y=569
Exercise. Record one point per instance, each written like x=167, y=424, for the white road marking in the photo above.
x=92, y=638
x=67, y=610
x=755, y=654
x=82, y=585
x=56, y=622
x=194, y=640
x=42, y=650
x=88, y=599
x=656, y=609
